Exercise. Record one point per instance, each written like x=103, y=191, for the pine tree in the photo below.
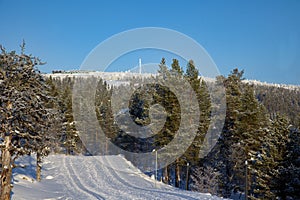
x=226, y=153
x=200, y=88
x=176, y=69
x=288, y=180
x=55, y=104
x=69, y=137
x=205, y=180
x=163, y=70
x=252, y=122
x=269, y=160
x=24, y=116
x=163, y=96
x=242, y=137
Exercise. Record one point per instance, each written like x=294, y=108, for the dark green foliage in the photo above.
x=254, y=130
x=283, y=100
x=68, y=137
x=176, y=69
x=288, y=180
x=203, y=97
x=205, y=180
x=191, y=72
x=249, y=134
x=149, y=95
x=260, y=125
x=105, y=115
x=163, y=70
x=230, y=154
x=242, y=138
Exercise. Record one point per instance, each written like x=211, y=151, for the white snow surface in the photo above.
x=88, y=178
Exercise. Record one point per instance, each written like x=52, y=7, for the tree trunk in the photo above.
x=38, y=166
x=187, y=178
x=177, y=173
x=166, y=176
x=6, y=174
x=106, y=146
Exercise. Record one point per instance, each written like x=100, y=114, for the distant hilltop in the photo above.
x=111, y=78
x=121, y=76
x=104, y=75
x=260, y=83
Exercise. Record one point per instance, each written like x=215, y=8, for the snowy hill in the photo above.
x=115, y=78
x=90, y=177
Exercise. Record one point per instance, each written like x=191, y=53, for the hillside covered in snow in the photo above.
x=113, y=77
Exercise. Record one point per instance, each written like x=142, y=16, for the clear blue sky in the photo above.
x=262, y=37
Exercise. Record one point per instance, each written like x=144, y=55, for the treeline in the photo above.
x=258, y=148
x=254, y=144
x=280, y=100
x=257, y=153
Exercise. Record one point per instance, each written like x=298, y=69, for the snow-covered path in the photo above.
x=95, y=177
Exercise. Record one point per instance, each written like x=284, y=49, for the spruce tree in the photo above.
x=287, y=185
x=226, y=154
x=68, y=137
x=268, y=162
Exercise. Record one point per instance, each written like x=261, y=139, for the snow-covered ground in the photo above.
x=91, y=177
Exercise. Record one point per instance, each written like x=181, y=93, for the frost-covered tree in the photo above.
x=24, y=118
x=288, y=181
x=68, y=137
x=205, y=179
x=266, y=166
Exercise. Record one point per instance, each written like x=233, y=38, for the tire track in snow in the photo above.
x=77, y=182
x=70, y=184
x=122, y=185
x=106, y=185
x=173, y=194
x=169, y=193
x=83, y=186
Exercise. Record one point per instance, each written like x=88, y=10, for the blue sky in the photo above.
x=262, y=37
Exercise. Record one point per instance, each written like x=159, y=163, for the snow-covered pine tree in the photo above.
x=223, y=158
x=199, y=86
x=272, y=155
x=24, y=118
x=205, y=180
x=55, y=105
x=288, y=180
x=69, y=138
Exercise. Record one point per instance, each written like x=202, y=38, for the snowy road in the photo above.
x=89, y=177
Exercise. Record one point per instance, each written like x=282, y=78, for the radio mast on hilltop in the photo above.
x=140, y=65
